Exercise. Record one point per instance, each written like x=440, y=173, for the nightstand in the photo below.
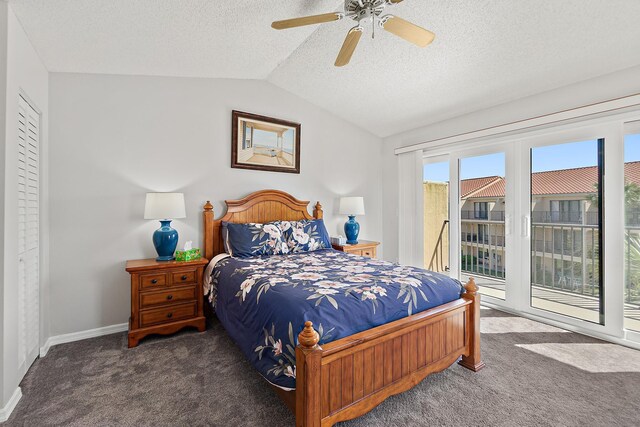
x=363, y=247
x=165, y=297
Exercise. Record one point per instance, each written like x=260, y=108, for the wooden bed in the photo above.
x=348, y=377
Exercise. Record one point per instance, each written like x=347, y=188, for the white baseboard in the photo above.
x=6, y=411
x=82, y=335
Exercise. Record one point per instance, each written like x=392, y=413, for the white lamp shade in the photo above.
x=352, y=205
x=164, y=206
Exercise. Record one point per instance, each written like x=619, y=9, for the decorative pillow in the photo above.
x=305, y=235
x=249, y=240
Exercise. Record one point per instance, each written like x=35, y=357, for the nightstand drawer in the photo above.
x=354, y=252
x=371, y=253
x=153, y=280
x=167, y=314
x=186, y=276
x=174, y=296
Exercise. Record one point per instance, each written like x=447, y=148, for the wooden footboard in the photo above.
x=348, y=377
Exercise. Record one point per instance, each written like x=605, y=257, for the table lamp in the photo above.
x=352, y=206
x=165, y=207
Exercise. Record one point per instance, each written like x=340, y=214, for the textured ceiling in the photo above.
x=486, y=52
x=191, y=38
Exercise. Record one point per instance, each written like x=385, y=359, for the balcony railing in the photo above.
x=482, y=216
x=554, y=217
x=632, y=217
x=483, y=240
x=436, y=260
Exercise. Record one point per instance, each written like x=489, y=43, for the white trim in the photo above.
x=565, y=326
x=612, y=106
x=82, y=335
x=5, y=412
x=632, y=127
x=410, y=209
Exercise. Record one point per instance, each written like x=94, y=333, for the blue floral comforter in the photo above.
x=264, y=302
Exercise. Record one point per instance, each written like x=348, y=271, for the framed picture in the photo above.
x=264, y=143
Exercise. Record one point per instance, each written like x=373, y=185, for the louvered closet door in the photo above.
x=28, y=232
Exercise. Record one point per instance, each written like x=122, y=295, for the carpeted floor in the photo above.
x=536, y=375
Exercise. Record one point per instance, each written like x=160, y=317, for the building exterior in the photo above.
x=564, y=228
x=436, y=230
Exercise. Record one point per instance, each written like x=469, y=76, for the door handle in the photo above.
x=526, y=226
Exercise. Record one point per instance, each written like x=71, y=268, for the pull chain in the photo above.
x=373, y=27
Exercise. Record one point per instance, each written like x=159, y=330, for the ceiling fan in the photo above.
x=363, y=11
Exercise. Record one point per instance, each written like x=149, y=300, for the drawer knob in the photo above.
x=154, y=281
x=169, y=315
x=169, y=297
x=184, y=277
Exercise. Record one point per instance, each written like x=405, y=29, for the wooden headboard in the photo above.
x=259, y=207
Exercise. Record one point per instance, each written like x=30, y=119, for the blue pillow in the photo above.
x=250, y=240
x=306, y=235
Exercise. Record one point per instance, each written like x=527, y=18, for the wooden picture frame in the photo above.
x=264, y=143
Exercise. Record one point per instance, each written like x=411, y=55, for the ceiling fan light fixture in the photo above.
x=362, y=10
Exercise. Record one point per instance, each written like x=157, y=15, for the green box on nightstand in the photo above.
x=190, y=255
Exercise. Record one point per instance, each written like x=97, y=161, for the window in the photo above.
x=567, y=211
x=480, y=210
x=565, y=276
x=247, y=137
x=483, y=233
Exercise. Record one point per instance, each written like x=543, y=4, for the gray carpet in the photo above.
x=202, y=379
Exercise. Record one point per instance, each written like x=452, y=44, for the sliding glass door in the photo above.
x=541, y=228
x=565, y=229
x=482, y=203
x=632, y=228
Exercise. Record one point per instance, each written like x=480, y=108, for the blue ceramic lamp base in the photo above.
x=351, y=230
x=165, y=239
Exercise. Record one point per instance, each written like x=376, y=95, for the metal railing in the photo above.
x=483, y=240
x=436, y=259
x=564, y=250
x=555, y=217
x=632, y=265
x=632, y=217
x=566, y=257
x=483, y=247
x=482, y=216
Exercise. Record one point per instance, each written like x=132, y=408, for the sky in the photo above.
x=554, y=157
x=270, y=139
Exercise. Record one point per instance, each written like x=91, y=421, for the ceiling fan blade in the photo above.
x=349, y=46
x=307, y=20
x=406, y=30
x=395, y=1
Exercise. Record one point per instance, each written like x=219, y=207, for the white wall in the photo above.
x=600, y=89
x=114, y=138
x=27, y=75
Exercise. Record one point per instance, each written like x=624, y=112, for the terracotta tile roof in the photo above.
x=632, y=172
x=496, y=189
x=564, y=181
x=469, y=186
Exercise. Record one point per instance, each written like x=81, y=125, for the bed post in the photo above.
x=208, y=230
x=317, y=211
x=308, y=356
x=472, y=360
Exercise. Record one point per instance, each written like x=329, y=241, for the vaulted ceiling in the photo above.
x=486, y=52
